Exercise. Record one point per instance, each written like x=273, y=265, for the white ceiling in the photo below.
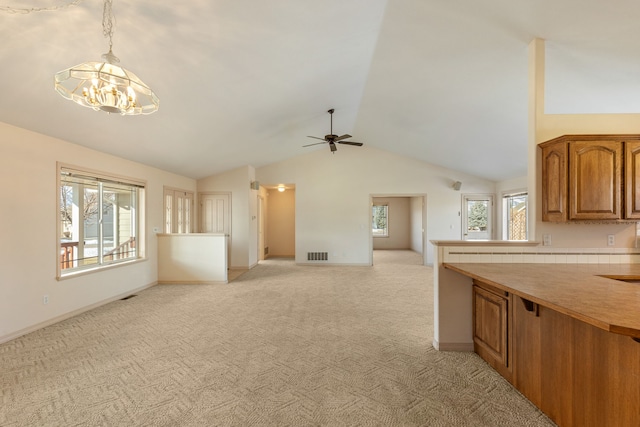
x=245, y=81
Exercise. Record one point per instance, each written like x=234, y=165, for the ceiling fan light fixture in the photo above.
x=333, y=139
x=105, y=85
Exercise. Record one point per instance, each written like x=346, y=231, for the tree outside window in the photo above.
x=380, y=220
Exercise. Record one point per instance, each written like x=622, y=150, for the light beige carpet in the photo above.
x=281, y=345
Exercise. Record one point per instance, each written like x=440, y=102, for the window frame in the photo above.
x=138, y=218
x=386, y=230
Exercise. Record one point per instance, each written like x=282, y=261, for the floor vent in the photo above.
x=130, y=296
x=317, y=256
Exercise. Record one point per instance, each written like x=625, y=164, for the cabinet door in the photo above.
x=554, y=182
x=632, y=179
x=595, y=177
x=527, y=355
x=490, y=326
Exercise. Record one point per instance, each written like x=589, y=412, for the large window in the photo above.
x=380, y=220
x=515, y=216
x=99, y=220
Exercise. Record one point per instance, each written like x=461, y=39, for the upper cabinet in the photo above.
x=632, y=179
x=591, y=177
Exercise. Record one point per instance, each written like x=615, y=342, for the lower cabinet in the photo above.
x=577, y=374
x=491, y=329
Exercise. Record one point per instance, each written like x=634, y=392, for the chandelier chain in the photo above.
x=107, y=22
x=27, y=10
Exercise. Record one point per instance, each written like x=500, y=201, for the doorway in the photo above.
x=398, y=222
x=277, y=222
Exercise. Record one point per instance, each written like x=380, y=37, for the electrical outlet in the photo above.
x=546, y=240
x=611, y=240
x=45, y=299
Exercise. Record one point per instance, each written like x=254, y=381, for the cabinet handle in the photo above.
x=636, y=339
x=530, y=306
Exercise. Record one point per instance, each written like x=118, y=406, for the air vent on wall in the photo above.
x=317, y=256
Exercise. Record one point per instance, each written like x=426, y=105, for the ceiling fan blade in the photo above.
x=333, y=147
x=315, y=137
x=357, y=144
x=315, y=143
x=340, y=138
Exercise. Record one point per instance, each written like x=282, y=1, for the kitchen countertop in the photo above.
x=577, y=290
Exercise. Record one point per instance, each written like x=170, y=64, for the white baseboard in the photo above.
x=33, y=328
x=334, y=264
x=453, y=346
x=192, y=282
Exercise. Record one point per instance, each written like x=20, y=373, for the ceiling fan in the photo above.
x=332, y=139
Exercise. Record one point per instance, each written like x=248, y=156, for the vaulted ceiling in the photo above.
x=244, y=81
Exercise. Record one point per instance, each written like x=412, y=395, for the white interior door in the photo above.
x=477, y=217
x=216, y=216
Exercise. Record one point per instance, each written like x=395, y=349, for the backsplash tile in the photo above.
x=539, y=254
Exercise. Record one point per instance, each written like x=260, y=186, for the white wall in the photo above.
x=416, y=215
x=244, y=211
x=192, y=258
x=29, y=250
x=333, y=194
x=398, y=224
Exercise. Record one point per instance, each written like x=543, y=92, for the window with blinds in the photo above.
x=99, y=220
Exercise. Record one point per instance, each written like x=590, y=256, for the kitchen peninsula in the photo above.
x=566, y=335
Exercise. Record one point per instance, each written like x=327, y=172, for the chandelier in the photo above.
x=105, y=85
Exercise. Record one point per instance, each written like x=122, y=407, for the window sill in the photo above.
x=84, y=272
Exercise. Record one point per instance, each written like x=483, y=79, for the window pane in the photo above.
x=118, y=222
x=478, y=215
x=168, y=208
x=516, y=216
x=380, y=221
x=180, y=212
x=88, y=251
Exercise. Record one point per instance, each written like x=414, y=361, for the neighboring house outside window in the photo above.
x=380, y=221
x=100, y=220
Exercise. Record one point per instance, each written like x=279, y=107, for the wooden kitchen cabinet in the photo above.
x=577, y=374
x=555, y=171
x=491, y=327
x=595, y=176
x=632, y=179
x=572, y=336
x=590, y=177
